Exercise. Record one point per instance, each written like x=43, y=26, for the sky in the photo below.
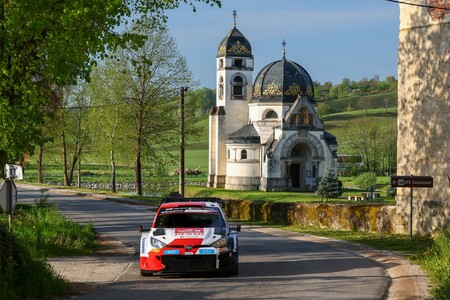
x=331, y=39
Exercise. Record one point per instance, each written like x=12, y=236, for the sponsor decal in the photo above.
x=143, y=245
x=189, y=232
x=171, y=252
x=206, y=251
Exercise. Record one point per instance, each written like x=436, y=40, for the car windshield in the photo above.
x=189, y=218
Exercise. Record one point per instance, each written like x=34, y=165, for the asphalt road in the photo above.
x=271, y=266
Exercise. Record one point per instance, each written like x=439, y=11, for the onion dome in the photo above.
x=234, y=43
x=282, y=81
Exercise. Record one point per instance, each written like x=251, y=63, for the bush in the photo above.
x=366, y=180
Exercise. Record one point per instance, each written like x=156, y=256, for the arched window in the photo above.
x=244, y=154
x=310, y=120
x=237, y=86
x=220, y=87
x=271, y=115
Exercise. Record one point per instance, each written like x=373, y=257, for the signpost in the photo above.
x=8, y=198
x=411, y=182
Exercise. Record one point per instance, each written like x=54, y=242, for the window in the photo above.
x=244, y=154
x=229, y=154
x=238, y=63
x=221, y=63
x=221, y=87
x=237, y=88
x=271, y=115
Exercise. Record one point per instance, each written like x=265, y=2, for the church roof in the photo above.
x=234, y=43
x=282, y=81
x=329, y=138
x=245, y=135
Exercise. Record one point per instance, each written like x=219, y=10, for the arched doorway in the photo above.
x=300, y=166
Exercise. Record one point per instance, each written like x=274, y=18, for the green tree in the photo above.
x=366, y=180
x=323, y=109
x=152, y=76
x=44, y=44
x=329, y=185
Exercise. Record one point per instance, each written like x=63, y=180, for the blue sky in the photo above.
x=331, y=39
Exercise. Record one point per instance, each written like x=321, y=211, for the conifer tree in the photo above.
x=329, y=186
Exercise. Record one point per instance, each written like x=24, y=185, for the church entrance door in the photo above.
x=300, y=160
x=298, y=177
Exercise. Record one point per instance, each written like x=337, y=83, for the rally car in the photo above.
x=189, y=235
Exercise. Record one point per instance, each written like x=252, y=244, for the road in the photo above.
x=272, y=266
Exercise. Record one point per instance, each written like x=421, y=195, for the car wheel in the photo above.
x=234, y=264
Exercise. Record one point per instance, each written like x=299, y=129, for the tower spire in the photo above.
x=234, y=17
x=284, y=48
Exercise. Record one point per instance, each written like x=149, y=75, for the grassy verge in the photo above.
x=38, y=232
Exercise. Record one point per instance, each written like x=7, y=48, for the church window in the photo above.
x=237, y=88
x=229, y=154
x=221, y=63
x=311, y=120
x=238, y=63
x=221, y=87
x=301, y=117
x=271, y=115
x=244, y=154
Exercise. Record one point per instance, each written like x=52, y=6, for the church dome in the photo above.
x=234, y=44
x=282, y=81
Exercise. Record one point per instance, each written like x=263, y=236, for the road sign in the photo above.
x=412, y=181
x=8, y=196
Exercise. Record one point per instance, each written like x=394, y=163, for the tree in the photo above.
x=73, y=127
x=152, y=76
x=364, y=103
x=329, y=185
x=366, y=141
x=46, y=44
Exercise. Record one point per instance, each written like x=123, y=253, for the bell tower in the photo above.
x=234, y=68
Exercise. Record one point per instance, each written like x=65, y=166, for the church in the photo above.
x=265, y=134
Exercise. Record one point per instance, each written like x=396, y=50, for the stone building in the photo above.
x=424, y=113
x=265, y=135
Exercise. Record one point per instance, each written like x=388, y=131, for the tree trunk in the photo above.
x=138, y=168
x=64, y=150
x=113, y=170
x=40, y=165
x=3, y=162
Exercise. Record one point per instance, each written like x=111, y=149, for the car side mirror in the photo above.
x=141, y=229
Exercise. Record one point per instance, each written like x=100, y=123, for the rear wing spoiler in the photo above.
x=171, y=198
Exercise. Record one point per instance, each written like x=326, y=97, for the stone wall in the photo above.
x=424, y=115
x=367, y=218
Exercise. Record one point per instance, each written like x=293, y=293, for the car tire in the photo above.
x=234, y=264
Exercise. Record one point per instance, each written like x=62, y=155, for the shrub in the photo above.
x=366, y=180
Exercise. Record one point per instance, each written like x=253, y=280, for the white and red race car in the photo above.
x=190, y=235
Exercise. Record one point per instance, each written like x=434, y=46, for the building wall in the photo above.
x=423, y=115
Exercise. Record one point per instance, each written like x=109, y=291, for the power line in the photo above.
x=420, y=5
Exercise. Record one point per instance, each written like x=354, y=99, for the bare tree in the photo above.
x=364, y=103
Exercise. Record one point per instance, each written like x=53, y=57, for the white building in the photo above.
x=267, y=135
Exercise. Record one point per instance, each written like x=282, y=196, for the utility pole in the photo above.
x=183, y=90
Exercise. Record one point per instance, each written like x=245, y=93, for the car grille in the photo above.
x=189, y=263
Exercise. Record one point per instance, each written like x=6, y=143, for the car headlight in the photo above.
x=220, y=243
x=157, y=243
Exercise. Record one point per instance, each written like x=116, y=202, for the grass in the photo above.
x=38, y=231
